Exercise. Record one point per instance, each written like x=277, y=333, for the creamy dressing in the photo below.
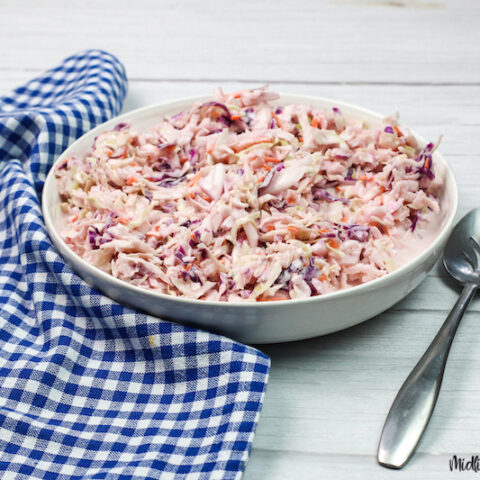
x=238, y=200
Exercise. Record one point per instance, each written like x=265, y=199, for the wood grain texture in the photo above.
x=327, y=397
x=336, y=41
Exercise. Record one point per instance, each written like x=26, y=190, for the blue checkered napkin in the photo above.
x=90, y=389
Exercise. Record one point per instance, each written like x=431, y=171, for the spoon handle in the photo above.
x=413, y=406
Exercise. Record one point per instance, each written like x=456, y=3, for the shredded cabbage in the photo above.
x=239, y=200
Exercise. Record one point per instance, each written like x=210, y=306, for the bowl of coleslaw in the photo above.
x=263, y=217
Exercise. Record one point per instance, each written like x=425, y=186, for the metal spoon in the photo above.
x=413, y=406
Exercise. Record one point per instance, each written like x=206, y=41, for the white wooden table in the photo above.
x=327, y=397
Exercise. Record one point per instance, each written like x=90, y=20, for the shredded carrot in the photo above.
x=194, y=179
x=261, y=179
x=207, y=197
x=267, y=168
x=236, y=117
x=188, y=267
x=397, y=130
x=291, y=201
x=133, y=164
x=300, y=139
x=157, y=227
x=292, y=229
x=75, y=218
x=344, y=219
x=323, y=278
x=271, y=159
x=123, y=220
x=124, y=154
x=273, y=299
x=323, y=230
x=338, y=188
x=210, y=149
x=333, y=243
x=194, y=238
x=192, y=195
x=130, y=180
x=381, y=227
x=238, y=95
x=315, y=123
x=270, y=228
x=251, y=144
x=365, y=178
x=183, y=160
x=277, y=120
x=382, y=188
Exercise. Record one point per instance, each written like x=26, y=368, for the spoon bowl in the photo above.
x=461, y=251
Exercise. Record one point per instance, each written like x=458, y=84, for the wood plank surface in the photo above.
x=353, y=41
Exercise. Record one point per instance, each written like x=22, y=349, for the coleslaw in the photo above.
x=241, y=200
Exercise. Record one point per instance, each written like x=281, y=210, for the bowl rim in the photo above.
x=358, y=289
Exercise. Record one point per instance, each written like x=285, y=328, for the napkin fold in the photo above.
x=90, y=389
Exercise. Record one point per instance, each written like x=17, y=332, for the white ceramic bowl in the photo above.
x=264, y=322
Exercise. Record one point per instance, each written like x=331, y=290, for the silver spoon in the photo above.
x=413, y=406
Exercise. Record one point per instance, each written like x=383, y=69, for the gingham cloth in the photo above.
x=90, y=389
